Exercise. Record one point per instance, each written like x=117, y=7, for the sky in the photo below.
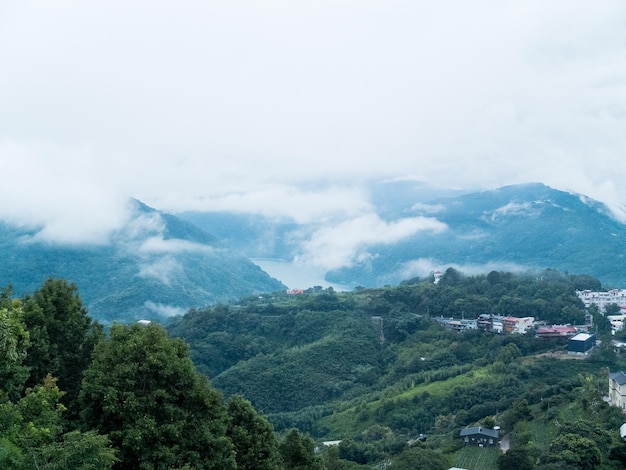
x=291, y=108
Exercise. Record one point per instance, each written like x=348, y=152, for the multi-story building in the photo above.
x=517, y=325
x=602, y=299
x=617, y=389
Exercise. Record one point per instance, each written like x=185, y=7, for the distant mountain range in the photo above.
x=161, y=265
x=157, y=266
x=515, y=227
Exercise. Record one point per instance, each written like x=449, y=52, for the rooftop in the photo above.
x=619, y=377
x=581, y=337
x=480, y=430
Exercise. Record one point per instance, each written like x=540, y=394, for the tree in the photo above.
x=574, y=450
x=419, y=458
x=62, y=337
x=600, y=322
x=30, y=435
x=14, y=342
x=508, y=353
x=256, y=445
x=519, y=411
x=298, y=451
x=519, y=458
x=78, y=451
x=332, y=461
x=143, y=392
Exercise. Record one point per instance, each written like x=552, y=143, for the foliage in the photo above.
x=298, y=452
x=574, y=450
x=370, y=368
x=119, y=283
x=256, y=445
x=520, y=458
x=14, y=342
x=142, y=390
x=62, y=337
x=419, y=458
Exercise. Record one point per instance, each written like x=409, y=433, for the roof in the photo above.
x=559, y=330
x=480, y=430
x=581, y=337
x=619, y=377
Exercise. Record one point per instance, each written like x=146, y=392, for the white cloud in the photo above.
x=423, y=267
x=513, y=209
x=161, y=269
x=164, y=310
x=428, y=208
x=233, y=105
x=159, y=246
x=300, y=204
x=55, y=189
x=343, y=244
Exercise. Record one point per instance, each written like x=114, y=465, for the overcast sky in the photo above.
x=249, y=105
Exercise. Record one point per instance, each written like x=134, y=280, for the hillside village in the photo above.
x=581, y=339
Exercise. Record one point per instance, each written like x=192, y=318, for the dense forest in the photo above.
x=371, y=370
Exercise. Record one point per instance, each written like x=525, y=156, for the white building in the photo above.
x=617, y=322
x=518, y=325
x=602, y=299
x=617, y=389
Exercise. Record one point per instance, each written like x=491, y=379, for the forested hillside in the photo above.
x=72, y=397
x=154, y=266
x=373, y=369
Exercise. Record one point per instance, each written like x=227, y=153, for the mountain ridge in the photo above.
x=155, y=266
x=514, y=227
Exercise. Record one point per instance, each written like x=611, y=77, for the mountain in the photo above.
x=157, y=265
x=510, y=228
x=513, y=227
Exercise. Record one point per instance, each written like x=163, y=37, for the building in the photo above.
x=488, y=322
x=582, y=343
x=617, y=389
x=480, y=436
x=556, y=331
x=457, y=325
x=517, y=325
x=602, y=299
x=617, y=322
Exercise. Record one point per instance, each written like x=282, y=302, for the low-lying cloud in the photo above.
x=158, y=245
x=163, y=269
x=346, y=243
x=164, y=310
x=423, y=267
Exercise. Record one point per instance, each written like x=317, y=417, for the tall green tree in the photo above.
x=298, y=451
x=62, y=337
x=143, y=392
x=575, y=451
x=31, y=435
x=519, y=458
x=14, y=342
x=256, y=445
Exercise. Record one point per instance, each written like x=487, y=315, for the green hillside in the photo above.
x=156, y=266
x=373, y=369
